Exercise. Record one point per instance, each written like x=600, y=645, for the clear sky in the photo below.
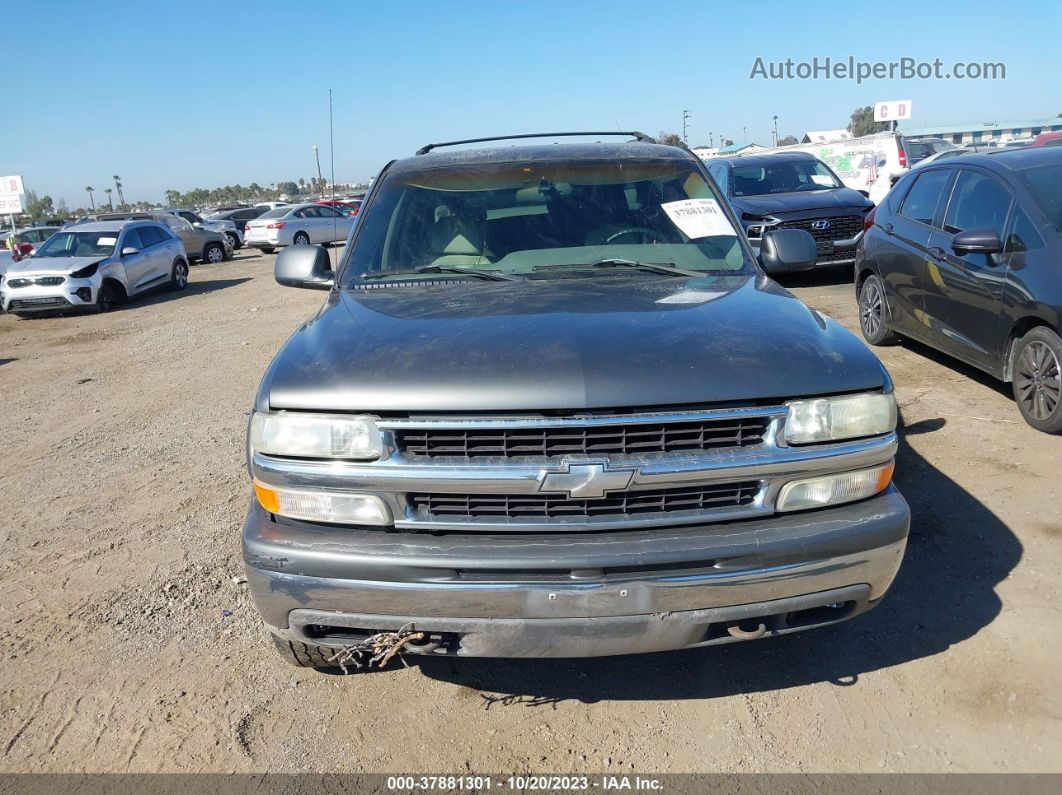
x=202, y=94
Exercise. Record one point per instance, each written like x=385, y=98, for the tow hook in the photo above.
x=747, y=634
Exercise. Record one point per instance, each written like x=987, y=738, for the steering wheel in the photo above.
x=648, y=235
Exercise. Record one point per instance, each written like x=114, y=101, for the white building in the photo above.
x=988, y=131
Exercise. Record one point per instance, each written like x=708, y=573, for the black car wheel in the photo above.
x=106, y=298
x=214, y=253
x=268, y=249
x=301, y=239
x=1037, y=380
x=179, y=277
x=874, y=313
x=235, y=240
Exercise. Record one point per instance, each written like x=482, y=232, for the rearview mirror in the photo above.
x=787, y=250
x=976, y=241
x=304, y=266
x=129, y=251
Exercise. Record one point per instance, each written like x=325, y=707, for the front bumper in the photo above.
x=588, y=595
x=71, y=294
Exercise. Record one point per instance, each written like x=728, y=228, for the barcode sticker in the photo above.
x=699, y=218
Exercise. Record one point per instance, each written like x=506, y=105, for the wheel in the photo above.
x=214, y=253
x=873, y=313
x=1037, y=379
x=268, y=249
x=179, y=277
x=303, y=655
x=235, y=238
x=106, y=298
x=301, y=239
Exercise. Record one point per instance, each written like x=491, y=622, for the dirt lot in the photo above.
x=128, y=641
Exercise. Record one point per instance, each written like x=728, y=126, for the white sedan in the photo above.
x=297, y=224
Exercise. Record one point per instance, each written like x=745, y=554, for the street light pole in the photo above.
x=775, y=119
x=685, y=119
x=317, y=157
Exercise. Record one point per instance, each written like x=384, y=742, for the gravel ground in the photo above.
x=128, y=642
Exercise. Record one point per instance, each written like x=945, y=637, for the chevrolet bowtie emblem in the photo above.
x=586, y=480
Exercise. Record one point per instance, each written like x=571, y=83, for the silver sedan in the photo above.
x=297, y=224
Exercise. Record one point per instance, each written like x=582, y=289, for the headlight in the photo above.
x=323, y=506
x=86, y=272
x=298, y=435
x=845, y=417
x=817, y=492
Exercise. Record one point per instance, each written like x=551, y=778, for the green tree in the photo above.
x=862, y=122
x=38, y=208
x=89, y=190
x=288, y=187
x=789, y=140
x=671, y=139
x=109, y=202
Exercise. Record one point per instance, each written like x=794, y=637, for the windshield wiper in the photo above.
x=667, y=268
x=493, y=276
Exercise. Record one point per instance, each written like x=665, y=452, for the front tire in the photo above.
x=301, y=239
x=107, y=298
x=214, y=253
x=235, y=240
x=874, y=313
x=179, y=276
x=1037, y=379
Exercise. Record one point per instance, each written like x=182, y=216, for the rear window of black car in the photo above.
x=924, y=196
x=1046, y=186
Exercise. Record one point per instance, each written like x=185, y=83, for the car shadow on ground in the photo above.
x=7, y=361
x=944, y=594
x=961, y=368
x=193, y=288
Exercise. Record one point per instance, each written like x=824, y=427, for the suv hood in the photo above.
x=564, y=344
x=798, y=201
x=51, y=264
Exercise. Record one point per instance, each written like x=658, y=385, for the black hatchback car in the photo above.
x=966, y=256
x=793, y=190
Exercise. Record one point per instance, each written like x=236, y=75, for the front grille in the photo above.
x=842, y=227
x=558, y=506
x=629, y=439
x=45, y=281
x=37, y=303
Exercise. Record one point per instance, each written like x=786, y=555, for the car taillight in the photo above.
x=277, y=225
x=868, y=219
x=902, y=154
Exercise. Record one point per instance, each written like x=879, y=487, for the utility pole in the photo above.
x=317, y=157
x=685, y=119
x=744, y=135
x=775, y=118
x=711, y=141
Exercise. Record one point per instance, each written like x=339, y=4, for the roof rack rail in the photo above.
x=638, y=136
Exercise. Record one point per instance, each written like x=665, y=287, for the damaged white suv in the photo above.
x=94, y=266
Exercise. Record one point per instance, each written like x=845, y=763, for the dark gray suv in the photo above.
x=553, y=406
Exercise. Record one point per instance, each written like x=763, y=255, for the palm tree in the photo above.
x=108, y=192
x=90, y=189
x=118, y=185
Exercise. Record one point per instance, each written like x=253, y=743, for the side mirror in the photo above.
x=976, y=241
x=129, y=251
x=304, y=266
x=787, y=250
x=866, y=193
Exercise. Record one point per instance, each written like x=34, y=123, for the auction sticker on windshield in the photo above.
x=698, y=217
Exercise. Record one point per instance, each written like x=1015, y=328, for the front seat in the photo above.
x=458, y=241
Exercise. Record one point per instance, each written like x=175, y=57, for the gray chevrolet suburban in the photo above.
x=554, y=406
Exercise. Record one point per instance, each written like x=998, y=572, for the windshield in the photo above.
x=783, y=177
x=1046, y=185
x=551, y=219
x=79, y=244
